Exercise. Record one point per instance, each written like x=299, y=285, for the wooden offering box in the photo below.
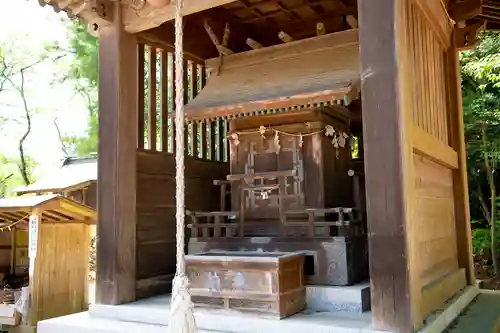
x=266, y=283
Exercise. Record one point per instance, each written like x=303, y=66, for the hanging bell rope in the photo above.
x=181, y=309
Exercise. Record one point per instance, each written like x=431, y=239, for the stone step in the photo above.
x=85, y=323
x=152, y=316
x=354, y=299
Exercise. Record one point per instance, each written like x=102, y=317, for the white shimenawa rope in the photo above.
x=181, y=310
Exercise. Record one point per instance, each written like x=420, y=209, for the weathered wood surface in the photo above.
x=155, y=234
x=59, y=285
x=381, y=32
x=428, y=73
x=434, y=216
x=266, y=283
x=118, y=101
x=276, y=78
x=333, y=261
x=460, y=190
x=311, y=174
x=430, y=170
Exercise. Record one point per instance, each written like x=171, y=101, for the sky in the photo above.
x=27, y=28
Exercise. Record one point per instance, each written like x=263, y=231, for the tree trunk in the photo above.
x=23, y=165
x=493, y=228
x=490, y=172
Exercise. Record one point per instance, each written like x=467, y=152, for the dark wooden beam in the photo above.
x=491, y=5
x=116, y=226
x=464, y=10
x=466, y=38
x=385, y=169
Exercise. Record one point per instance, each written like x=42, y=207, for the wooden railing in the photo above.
x=156, y=104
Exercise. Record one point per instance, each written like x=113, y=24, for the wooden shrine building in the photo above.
x=75, y=179
x=326, y=127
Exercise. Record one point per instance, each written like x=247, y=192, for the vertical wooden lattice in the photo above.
x=428, y=62
x=156, y=102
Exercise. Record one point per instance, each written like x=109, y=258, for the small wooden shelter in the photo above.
x=57, y=231
x=387, y=71
x=76, y=179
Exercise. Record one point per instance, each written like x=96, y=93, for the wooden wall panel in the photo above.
x=61, y=256
x=156, y=231
x=434, y=214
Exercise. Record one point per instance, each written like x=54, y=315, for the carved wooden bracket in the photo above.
x=466, y=38
x=103, y=9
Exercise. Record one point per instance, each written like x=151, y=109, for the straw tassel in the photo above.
x=181, y=309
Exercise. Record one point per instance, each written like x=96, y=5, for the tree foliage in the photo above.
x=83, y=72
x=481, y=104
x=15, y=68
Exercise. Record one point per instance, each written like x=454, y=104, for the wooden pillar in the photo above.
x=35, y=226
x=395, y=290
x=460, y=186
x=13, y=249
x=116, y=225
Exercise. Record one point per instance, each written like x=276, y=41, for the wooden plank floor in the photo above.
x=482, y=316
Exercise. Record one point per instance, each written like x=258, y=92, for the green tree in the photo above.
x=481, y=99
x=83, y=72
x=15, y=67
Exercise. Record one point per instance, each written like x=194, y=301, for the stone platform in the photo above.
x=152, y=316
x=354, y=299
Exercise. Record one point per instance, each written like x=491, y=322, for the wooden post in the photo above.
x=116, y=225
x=152, y=99
x=395, y=290
x=460, y=186
x=203, y=140
x=213, y=140
x=13, y=249
x=164, y=100
x=140, y=96
x=221, y=137
x=35, y=222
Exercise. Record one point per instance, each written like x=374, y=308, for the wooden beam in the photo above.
x=428, y=145
x=466, y=38
x=164, y=40
x=221, y=47
x=286, y=38
x=388, y=165
x=332, y=40
x=464, y=10
x=352, y=21
x=149, y=17
x=116, y=228
x=460, y=186
x=140, y=96
x=320, y=29
x=491, y=5
x=254, y=44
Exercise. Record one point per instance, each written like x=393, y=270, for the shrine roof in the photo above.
x=303, y=73
x=75, y=173
x=52, y=207
x=264, y=15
